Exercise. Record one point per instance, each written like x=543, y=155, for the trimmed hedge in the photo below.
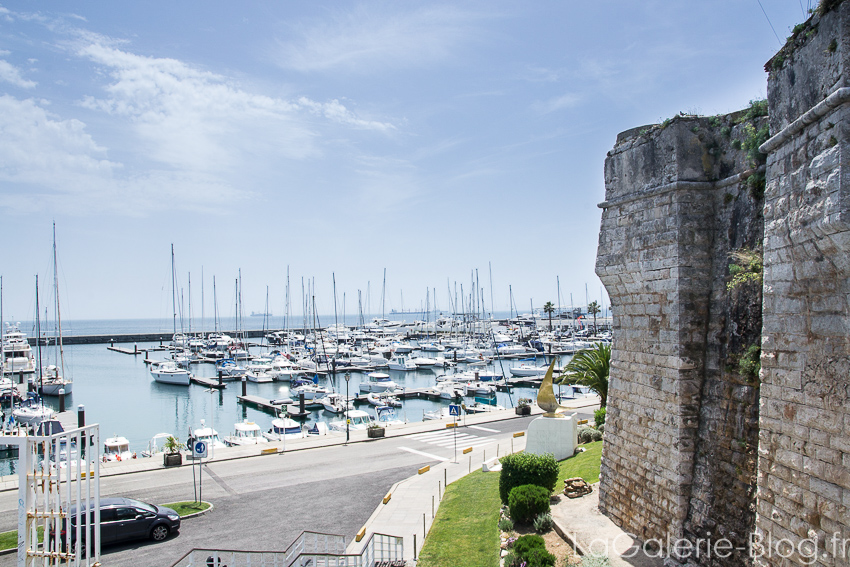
x=527, y=468
x=527, y=502
x=531, y=551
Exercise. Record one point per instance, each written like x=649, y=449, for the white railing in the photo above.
x=310, y=549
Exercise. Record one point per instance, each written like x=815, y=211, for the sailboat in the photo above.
x=33, y=411
x=168, y=372
x=52, y=376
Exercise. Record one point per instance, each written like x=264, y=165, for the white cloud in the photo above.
x=369, y=39
x=10, y=74
x=339, y=113
x=568, y=100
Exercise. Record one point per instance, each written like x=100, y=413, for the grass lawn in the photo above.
x=186, y=508
x=586, y=465
x=465, y=531
x=9, y=540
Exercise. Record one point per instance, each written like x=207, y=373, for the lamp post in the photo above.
x=345, y=406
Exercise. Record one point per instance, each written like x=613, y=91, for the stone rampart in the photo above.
x=699, y=445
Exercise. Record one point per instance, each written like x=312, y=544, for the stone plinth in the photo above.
x=554, y=435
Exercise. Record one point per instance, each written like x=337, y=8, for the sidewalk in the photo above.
x=415, y=500
x=581, y=523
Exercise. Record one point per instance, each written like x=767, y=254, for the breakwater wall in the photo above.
x=725, y=249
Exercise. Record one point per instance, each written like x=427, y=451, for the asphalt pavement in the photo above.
x=317, y=484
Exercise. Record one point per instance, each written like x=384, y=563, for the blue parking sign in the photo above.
x=454, y=410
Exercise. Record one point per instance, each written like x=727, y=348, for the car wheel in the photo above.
x=159, y=533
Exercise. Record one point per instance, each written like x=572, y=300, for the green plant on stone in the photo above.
x=833, y=45
x=715, y=121
x=750, y=363
x=527, y=502
x=527, y=468
x=747, y=267
x=543, y=523
x=599, y=416
x=756, y=183
x=736, y=144
x=753, y=139
x=506, y=525
x=726, y=131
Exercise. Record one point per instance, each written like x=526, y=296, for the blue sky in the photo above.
x=339, y=138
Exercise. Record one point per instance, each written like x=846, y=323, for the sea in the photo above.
x=118, y=392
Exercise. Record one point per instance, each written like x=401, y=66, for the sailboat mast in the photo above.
x=58, y=310
x=173, y=292
x=38, y=333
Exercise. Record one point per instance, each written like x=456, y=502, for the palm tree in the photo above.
x=593, y=309
x=589, y=367
x=549, y=308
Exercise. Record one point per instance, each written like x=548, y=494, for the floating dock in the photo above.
x=208, y=382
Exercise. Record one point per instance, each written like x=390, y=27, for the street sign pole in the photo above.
x=454, y=410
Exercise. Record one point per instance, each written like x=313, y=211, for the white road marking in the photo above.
x=424, y=454
x=478, y=427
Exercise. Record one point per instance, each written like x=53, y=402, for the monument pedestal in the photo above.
x=555, y=435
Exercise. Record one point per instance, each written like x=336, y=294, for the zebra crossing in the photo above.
x=446, y=438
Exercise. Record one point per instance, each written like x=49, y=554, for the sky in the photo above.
x=337, y=140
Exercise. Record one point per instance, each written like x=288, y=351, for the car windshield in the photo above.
x=142, y=505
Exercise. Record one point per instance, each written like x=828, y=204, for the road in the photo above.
x=264, y=503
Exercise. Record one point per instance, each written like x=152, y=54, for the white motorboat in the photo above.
x=358, y=420
x=245, y=433
x=259, y=377
x=431, y=347
x=401, y=347
x=447, y=389
x=335, y=403
x=167, y=372
x=386, y=417
x=17, y=354
x=285, y=428
x=383, y=399
x=227, y=367
x=478, y=389
x=442, y=413
x=310, y=390
x=424, y=362
x=210, y=437
x=117, y=449
x=525, y=370
x=482, y=406
x=401, y=363
x=378, y=382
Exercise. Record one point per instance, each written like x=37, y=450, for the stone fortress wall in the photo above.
x=700, y=445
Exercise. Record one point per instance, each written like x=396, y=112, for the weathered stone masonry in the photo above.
x=684, y=421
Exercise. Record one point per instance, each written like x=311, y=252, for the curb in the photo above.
x=201, y=513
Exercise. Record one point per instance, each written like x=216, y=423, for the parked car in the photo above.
x=125, y=519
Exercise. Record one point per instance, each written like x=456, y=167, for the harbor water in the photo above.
x=120, y=394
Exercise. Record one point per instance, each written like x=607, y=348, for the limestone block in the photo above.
x=557, y=436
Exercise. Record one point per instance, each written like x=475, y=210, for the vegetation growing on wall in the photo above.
x=747, y=266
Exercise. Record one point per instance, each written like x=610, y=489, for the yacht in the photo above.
x=117, y=449
x=167, y=372
x=378, y=382
x=52, y=382
x=245, y=433
x=210, y=437
x=387, y=417
x=17, y=354
x=335, y=403
x=284, y=428
x=32, y=412
x=358, y=420
x=401, y=363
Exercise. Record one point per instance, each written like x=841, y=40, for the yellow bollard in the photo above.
x=425, y=469
x=467, y=450
x=519, y=434
x=387, y=497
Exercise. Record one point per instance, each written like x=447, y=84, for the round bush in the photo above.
x=585, y=435
x=527, y=468
x=528, y=501
x=506, y=525
x=526, y=543
x=599, y=416
x=539, y=558
x=601, y=428
x=595, y=435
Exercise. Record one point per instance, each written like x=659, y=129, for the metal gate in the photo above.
x=59, y=496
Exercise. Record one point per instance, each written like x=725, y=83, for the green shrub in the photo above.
x=599, y=416
x=601, y=428
x=527, y=468
x=543, y=523
x=506, y=525
x=526, y=543
x=588, y=435
x=512, y=559
x=528, y=501
x=539, y=558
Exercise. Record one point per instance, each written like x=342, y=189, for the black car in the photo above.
x=125, y=519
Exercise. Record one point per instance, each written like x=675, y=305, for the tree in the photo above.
x=549, y=308
x=589, y=367
x=593, y=309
